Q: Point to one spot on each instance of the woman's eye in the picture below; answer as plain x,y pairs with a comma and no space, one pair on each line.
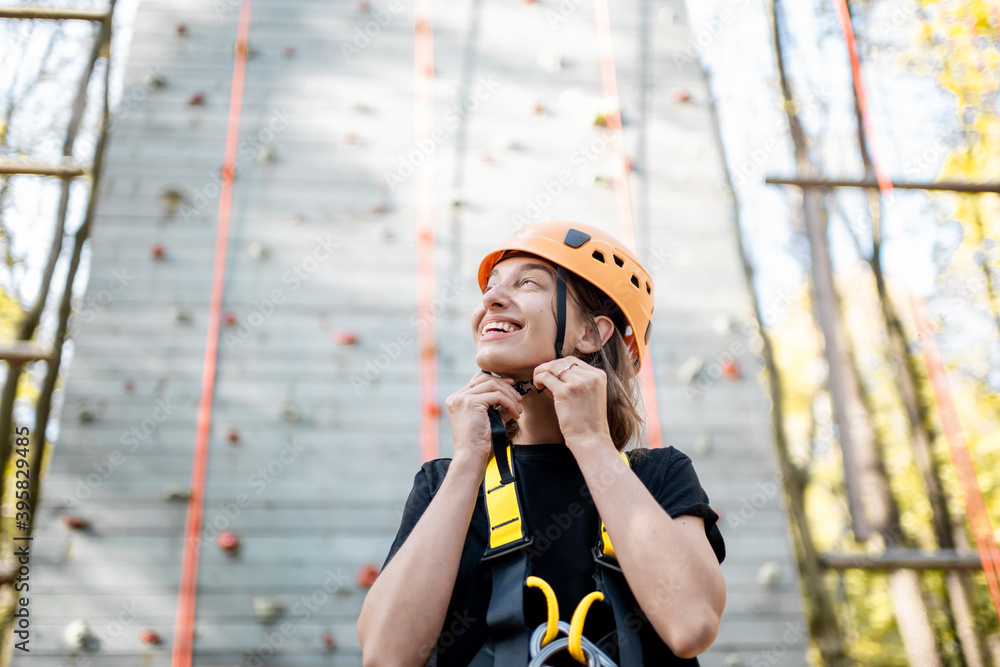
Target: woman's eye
528,280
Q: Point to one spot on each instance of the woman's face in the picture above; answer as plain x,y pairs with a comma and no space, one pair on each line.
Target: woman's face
515,326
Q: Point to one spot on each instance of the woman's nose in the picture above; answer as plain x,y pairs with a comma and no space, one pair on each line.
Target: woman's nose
498,295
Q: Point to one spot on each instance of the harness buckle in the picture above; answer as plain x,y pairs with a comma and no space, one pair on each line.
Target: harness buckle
511,547
603,561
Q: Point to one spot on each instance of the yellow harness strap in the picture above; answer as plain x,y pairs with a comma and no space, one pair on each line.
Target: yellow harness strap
504,510
606,547
502,507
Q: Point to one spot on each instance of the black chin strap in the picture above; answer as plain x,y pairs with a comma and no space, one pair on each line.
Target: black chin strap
560,310
498,430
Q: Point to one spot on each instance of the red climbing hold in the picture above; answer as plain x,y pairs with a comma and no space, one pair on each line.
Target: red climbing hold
196,100
538,109
288,51
345,337
159,251
730,369
233,436
329,641
129,386
149,637
229,319
367,575
363,6
182,30
228,541
75,522
681,95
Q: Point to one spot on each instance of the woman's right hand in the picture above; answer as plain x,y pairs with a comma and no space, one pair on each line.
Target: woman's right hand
470,424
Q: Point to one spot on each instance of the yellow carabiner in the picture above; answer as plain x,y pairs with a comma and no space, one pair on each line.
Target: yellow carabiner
552,625
576,626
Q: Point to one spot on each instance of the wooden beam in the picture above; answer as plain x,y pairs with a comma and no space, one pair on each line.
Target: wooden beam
871,184
52,14
905,559
32,168
23,351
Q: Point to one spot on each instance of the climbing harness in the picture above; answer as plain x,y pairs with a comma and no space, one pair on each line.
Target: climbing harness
506,557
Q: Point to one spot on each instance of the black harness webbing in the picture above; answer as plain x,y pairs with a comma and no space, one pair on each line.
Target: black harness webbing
509,635
560,310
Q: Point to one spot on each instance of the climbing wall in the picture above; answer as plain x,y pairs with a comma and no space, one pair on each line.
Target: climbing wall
314,428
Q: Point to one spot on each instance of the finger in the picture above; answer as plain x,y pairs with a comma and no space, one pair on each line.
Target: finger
512,407
502,384
485,376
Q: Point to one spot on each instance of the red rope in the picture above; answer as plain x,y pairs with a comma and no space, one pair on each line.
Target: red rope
187,595
623,198
975,505
424,211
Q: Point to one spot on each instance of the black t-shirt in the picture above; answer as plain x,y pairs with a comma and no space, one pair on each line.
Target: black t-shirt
562,518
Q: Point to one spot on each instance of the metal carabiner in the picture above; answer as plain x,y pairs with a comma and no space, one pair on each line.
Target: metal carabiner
557,645
590,648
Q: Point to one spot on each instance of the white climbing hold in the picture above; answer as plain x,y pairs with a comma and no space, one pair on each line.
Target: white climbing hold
703,445
267,610
691,369
291,413
550,61
181,315
257,251
723,324
77,633
732,660
266,154
769,574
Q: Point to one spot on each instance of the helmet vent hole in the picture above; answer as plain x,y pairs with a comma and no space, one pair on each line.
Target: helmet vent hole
619,261
649,290
635,281
599,256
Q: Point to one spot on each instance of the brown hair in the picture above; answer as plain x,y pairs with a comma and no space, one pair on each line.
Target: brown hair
624,420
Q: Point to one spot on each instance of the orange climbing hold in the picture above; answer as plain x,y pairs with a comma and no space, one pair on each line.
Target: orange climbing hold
182,30
229,318
149,637
228,541
75,522
681,95
367,575
159,252
345,337
233,436
329,641
730,369
196,100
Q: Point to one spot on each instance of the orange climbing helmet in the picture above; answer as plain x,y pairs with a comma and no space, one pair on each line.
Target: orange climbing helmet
595,256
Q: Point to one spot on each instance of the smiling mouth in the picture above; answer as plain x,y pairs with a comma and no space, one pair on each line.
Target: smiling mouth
498,330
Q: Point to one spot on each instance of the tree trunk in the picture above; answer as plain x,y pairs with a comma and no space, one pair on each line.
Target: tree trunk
958,584
870,499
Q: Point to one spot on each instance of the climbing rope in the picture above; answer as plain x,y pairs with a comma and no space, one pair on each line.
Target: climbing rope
975,505
188,593
626,223
424,213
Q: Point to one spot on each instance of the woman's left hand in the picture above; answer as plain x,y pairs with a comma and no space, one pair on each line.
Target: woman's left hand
580,393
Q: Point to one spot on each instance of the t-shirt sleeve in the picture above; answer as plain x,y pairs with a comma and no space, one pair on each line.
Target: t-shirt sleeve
425,485
670,476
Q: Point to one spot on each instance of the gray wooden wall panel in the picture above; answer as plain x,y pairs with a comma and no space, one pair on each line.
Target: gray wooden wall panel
341,126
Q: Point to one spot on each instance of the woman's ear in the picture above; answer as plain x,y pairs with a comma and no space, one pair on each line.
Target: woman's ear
592,341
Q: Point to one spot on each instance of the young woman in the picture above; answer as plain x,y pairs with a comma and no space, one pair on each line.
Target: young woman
507,536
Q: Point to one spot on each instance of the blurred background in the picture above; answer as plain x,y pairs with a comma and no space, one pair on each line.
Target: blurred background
239,241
